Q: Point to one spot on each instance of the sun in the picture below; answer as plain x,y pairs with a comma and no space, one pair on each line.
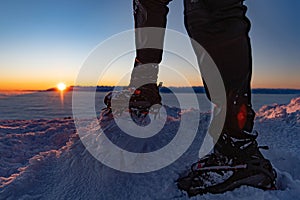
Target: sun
61,86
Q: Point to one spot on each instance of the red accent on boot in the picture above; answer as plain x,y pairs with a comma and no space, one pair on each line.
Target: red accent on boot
137,92
242,116
199,166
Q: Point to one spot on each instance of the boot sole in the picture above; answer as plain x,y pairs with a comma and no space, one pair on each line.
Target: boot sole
258,181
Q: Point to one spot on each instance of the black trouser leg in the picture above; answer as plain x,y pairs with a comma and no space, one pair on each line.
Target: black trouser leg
148,13
221,27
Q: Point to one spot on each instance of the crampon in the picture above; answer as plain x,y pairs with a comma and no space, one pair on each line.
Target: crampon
219,179
138,102
217,173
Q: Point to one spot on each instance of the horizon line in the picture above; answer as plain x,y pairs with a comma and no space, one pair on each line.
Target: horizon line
69,87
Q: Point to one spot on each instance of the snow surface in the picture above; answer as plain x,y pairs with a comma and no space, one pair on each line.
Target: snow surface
45,159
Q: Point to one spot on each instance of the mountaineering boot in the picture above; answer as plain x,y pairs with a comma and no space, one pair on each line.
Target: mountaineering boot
234,162
138,101
145,99
141,96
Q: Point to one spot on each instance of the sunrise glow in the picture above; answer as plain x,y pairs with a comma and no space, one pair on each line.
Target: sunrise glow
61,86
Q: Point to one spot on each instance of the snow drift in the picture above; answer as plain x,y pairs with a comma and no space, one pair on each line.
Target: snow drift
45,159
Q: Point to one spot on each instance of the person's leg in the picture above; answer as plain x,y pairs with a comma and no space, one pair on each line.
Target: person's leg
148,14
150,19
221,27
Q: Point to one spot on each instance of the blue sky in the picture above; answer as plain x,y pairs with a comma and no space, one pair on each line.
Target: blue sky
43,42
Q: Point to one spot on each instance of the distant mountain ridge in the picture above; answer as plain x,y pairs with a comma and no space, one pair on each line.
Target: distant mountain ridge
196,89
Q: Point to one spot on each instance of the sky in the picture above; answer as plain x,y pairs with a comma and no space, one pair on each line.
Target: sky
44,42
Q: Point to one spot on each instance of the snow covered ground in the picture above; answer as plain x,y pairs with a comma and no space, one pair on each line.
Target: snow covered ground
45,159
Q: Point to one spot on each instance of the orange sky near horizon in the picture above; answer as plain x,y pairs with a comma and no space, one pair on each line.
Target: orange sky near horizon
38,80
43,84
31,84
